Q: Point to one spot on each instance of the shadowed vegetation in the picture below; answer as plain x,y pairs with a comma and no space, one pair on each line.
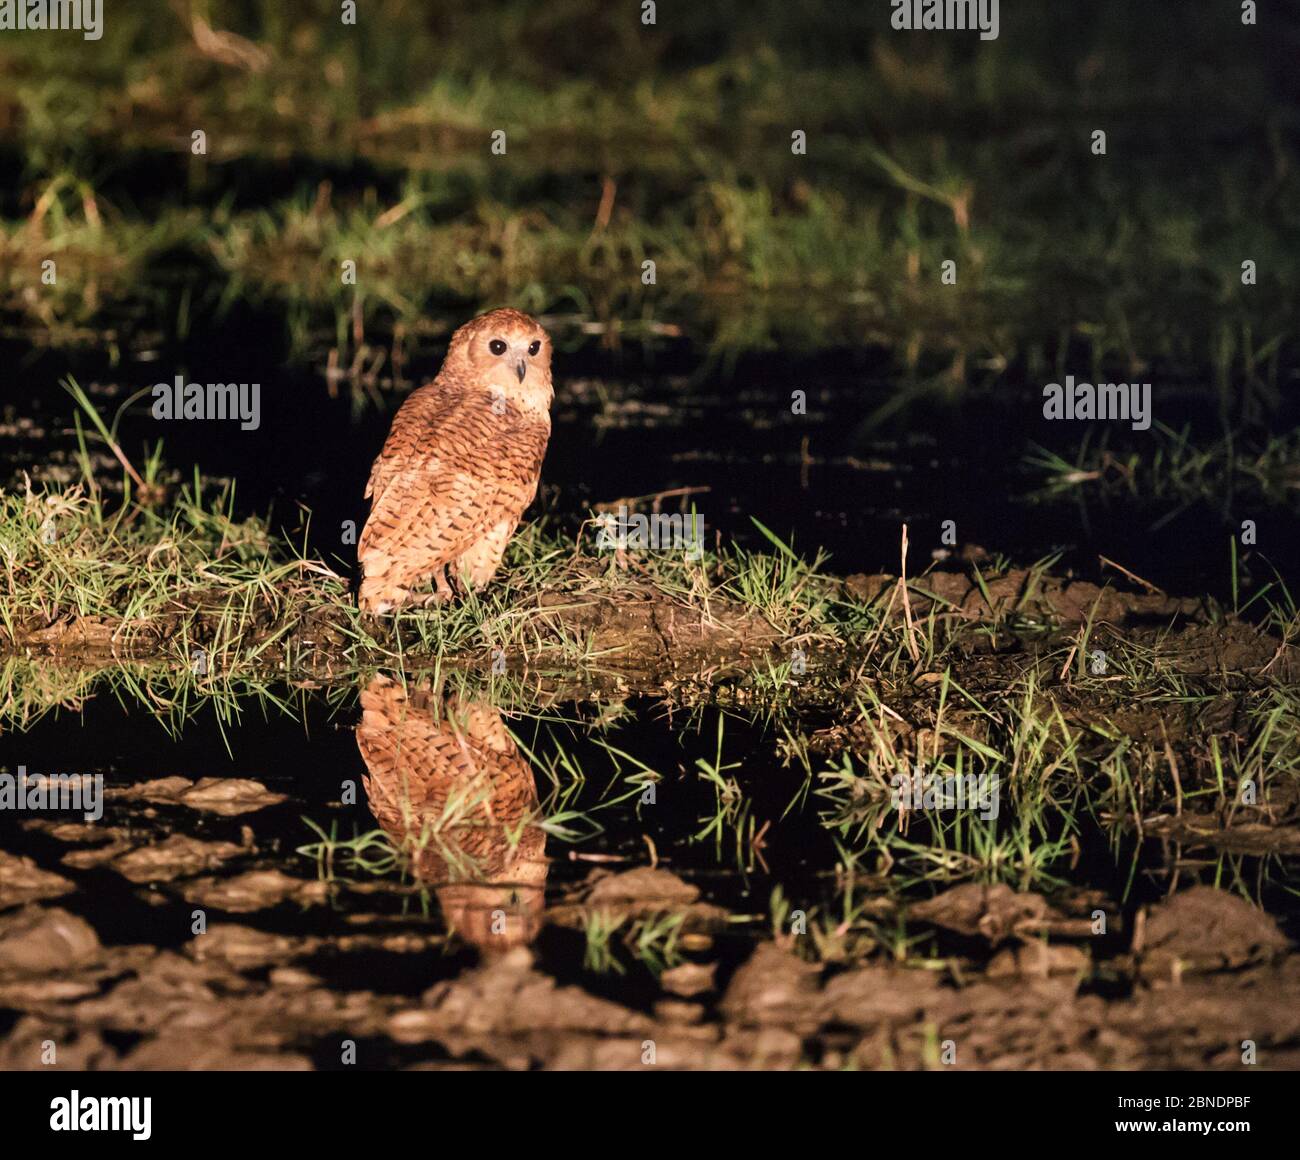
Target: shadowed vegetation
670,143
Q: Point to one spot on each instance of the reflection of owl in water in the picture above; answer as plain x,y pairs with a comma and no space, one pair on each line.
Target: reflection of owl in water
449,786
461,463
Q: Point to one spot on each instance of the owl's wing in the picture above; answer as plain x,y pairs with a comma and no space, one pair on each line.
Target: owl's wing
451,469
414,431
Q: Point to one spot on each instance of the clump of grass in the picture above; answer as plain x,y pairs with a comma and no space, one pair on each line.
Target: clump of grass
1074,750
75,262
153,573
653,940
1174,466
183,576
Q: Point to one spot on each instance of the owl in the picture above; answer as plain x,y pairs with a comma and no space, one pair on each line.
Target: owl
448,786
461,463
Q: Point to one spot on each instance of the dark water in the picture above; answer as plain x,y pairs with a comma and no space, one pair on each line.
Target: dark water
843,477
311,756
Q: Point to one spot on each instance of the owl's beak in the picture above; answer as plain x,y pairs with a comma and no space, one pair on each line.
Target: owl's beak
521,369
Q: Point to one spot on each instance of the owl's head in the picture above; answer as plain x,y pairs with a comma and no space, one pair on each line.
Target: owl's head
507,351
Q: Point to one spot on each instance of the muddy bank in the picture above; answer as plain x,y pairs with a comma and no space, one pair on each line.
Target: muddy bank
630,634
1017,997
635,634
250,964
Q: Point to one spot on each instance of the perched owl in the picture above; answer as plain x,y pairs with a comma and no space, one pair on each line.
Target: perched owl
448,785
460,465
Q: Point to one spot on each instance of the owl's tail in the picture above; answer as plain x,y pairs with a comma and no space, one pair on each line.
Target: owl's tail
371,599
385,588
378,593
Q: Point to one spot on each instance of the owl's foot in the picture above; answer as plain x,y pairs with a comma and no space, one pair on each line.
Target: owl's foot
394,597
442,593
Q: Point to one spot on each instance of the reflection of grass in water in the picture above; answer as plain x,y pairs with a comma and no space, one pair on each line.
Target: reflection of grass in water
1174,466
29,690
654,940
371,853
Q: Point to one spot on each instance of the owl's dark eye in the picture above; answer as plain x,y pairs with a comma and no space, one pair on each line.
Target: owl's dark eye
496,346
534,346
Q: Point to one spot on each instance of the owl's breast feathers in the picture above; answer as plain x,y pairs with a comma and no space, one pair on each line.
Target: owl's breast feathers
457,462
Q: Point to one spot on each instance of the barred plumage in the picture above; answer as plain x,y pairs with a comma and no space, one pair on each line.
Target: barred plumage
448,784
461,463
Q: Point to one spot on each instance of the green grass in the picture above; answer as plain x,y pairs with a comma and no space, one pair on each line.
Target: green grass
1177,470
671,144
162,573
